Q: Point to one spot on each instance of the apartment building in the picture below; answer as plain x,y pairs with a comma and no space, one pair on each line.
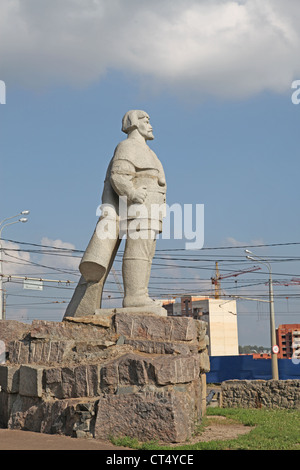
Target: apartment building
221,318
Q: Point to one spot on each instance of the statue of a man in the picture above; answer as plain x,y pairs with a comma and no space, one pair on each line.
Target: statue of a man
135,180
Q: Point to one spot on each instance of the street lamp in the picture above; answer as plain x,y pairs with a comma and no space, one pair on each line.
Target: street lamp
274,358
14,216
2,225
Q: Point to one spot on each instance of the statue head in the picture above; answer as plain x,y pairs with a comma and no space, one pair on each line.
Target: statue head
140,120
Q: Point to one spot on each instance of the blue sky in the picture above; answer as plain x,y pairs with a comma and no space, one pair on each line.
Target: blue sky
225,130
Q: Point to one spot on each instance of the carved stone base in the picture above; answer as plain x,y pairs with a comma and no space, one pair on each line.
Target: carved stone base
148,310
110,374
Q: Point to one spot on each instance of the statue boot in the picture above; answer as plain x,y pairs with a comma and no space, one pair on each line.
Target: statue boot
136,275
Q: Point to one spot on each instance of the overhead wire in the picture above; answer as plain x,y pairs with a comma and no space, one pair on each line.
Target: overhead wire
169,249
164,288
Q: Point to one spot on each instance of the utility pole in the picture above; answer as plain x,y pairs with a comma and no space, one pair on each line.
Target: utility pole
274,357
22,219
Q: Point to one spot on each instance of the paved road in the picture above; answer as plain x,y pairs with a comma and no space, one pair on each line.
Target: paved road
25,440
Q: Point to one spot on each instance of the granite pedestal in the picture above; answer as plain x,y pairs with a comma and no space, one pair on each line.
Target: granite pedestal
109,374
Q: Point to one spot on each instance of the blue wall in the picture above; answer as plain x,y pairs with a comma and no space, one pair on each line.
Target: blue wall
246,368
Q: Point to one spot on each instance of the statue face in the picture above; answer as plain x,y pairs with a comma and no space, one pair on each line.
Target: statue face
145,128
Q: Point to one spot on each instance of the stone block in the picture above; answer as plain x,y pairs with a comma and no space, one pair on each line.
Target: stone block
18,352
154,310
74,329
86,380
52,382
13,330
109,377
31,381
9,378
93,378
156,328
165,416
6,402
174,370
203,343
26,413
201,329
204,362
51,416
72,382
57,417
100,318
136,369
161,347
39,352
58,350
132,370
70,417
68,382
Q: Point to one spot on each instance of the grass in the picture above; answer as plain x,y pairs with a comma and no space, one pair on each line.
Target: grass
273,429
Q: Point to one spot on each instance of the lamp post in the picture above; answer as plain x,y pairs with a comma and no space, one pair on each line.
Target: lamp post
274,358
2,225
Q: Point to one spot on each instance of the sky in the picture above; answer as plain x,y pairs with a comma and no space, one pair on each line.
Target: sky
216,78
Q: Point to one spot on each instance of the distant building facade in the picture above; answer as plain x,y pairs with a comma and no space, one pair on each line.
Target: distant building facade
288,340
220,315
261,355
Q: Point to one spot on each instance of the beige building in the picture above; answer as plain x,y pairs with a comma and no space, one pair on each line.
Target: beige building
221,316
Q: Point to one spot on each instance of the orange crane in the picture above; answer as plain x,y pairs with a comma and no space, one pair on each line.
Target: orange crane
293,282
216,280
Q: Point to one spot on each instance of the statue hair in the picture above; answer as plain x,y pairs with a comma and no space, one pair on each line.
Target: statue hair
130,120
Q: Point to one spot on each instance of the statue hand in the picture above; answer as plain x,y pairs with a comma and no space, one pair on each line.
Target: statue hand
139,195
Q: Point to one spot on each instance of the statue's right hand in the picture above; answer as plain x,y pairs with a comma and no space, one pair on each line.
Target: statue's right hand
139,195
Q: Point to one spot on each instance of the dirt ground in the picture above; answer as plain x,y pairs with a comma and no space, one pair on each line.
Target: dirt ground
11,439
219,428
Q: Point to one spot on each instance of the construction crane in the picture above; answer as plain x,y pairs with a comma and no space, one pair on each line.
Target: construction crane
293,282
216,280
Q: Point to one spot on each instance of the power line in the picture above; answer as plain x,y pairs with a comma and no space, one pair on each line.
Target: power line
169,249
162,286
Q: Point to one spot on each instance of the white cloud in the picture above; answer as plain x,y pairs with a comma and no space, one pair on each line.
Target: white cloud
64,259
224,48
61,264
15,262
233,242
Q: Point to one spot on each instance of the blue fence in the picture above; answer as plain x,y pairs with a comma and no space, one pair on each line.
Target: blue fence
246,368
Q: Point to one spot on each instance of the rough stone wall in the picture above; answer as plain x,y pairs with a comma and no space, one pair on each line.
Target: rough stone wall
260,394
136,375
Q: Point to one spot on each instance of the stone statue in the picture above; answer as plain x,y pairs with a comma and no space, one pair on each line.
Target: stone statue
133,204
